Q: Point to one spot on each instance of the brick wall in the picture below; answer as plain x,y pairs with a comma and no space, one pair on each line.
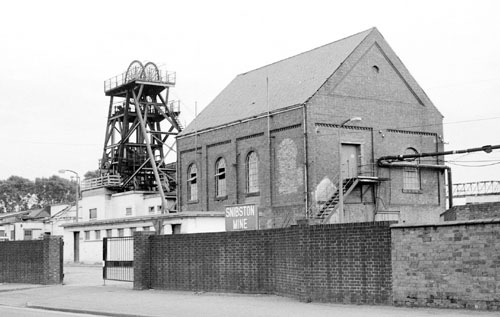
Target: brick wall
280,171
347,263
473,212
33,261
453,265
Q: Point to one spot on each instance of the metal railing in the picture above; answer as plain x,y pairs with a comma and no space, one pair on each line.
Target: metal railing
475,189
118,258
164,77
102,181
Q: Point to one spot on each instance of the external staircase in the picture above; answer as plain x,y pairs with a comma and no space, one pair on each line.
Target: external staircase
326,211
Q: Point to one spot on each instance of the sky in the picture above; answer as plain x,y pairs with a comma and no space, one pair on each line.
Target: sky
56,55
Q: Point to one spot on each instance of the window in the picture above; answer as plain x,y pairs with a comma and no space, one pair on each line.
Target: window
151,209
28,234
128,211
120,232
252,173
109,233
220,178
146,228
411,177
158,208
98,234
176,228
93,213
132,230
87,235
192,184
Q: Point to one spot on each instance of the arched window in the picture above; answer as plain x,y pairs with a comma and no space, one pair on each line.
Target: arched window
192,184
252,171
411,177
220,178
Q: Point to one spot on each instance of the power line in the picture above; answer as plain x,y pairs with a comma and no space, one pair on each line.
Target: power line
482,165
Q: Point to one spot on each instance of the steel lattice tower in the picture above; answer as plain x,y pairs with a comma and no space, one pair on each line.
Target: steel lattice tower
141,129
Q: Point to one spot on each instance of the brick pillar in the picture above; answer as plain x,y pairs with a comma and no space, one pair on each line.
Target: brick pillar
52,260
142,260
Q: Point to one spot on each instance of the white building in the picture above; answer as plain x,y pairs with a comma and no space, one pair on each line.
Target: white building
106,213
35,223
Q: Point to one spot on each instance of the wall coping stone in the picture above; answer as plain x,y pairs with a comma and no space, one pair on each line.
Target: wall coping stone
447,223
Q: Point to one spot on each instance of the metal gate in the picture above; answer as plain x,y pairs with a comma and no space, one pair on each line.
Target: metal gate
118,259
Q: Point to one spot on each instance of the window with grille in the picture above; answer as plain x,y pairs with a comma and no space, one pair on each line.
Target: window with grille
411,177
252,173
192,185
220,178
28,234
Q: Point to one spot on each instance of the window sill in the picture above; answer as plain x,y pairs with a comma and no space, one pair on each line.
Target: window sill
192,202
220,198
412,191
253,194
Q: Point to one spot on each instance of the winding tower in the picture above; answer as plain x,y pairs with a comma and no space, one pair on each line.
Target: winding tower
141,129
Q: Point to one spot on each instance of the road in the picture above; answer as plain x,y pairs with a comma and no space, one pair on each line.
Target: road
29,312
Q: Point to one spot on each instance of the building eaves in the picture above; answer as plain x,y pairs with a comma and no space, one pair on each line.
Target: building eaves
116,221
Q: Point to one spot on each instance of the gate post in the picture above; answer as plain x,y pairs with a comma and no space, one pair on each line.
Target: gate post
142,259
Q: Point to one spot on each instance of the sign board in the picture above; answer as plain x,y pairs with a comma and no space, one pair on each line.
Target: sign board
242,217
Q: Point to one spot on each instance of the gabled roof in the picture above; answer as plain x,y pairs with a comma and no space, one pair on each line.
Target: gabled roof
283,84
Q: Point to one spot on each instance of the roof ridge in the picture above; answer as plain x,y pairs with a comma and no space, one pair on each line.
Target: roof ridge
308,51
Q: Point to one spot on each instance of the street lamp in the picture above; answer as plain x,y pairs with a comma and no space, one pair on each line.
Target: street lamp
77,196
341,179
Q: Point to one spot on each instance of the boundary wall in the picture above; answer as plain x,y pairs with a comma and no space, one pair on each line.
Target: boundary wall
451,264
32,261
472,212
343,263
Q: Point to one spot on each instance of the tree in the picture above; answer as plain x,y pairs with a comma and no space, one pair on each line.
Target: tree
91,174
13,193
54,189
17,193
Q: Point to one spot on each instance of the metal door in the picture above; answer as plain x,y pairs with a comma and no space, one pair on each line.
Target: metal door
118,258
350,160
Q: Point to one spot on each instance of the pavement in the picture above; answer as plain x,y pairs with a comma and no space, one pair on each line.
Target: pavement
83,292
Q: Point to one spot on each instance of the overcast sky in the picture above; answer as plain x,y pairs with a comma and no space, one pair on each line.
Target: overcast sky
55,56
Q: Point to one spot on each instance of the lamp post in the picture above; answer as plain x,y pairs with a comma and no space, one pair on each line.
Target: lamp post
341,179
76,188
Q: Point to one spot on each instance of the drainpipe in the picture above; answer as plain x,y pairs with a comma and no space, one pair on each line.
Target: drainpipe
306,169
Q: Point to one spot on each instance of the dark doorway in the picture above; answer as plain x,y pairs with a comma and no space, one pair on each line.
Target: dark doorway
76,246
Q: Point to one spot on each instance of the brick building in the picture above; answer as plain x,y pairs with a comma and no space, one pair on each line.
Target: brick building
273,137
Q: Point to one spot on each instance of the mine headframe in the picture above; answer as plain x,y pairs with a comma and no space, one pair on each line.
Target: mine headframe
141,129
